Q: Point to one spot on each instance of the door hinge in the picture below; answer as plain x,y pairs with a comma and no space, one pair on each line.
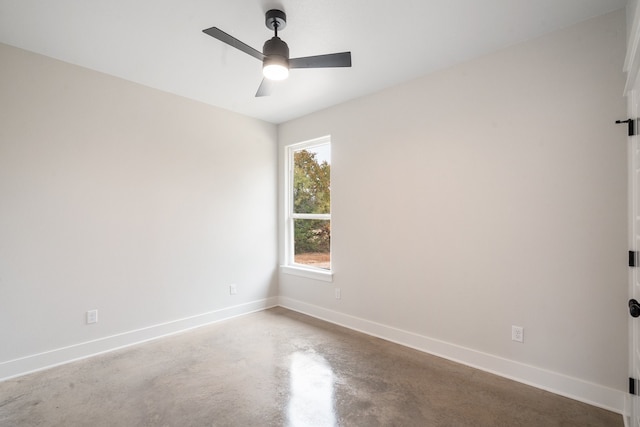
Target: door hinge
631,124
633,258
632,385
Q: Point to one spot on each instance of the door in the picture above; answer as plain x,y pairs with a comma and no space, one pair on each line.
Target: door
633,99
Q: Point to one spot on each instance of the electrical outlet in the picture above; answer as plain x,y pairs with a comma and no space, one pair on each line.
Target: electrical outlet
233,290
92,316
338,294
517,333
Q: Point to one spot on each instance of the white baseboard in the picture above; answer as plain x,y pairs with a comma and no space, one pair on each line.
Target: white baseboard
37,362
574,388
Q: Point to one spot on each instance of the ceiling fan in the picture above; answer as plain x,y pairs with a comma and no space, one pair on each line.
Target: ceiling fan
275,53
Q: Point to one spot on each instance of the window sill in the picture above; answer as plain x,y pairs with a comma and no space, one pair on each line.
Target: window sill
309,273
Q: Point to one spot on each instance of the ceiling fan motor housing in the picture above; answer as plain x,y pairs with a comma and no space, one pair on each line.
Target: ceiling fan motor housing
276,51
275,46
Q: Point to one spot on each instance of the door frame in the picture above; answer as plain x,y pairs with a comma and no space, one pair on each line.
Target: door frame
632,92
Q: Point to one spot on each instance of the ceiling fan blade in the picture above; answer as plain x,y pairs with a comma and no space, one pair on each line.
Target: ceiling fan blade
342,59
266,87
217,33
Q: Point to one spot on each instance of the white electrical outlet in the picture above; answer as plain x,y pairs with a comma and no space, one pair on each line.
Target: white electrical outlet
233,290
92,316
338,295
517,333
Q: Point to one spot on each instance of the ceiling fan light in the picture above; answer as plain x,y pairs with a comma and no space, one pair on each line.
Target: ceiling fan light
275,68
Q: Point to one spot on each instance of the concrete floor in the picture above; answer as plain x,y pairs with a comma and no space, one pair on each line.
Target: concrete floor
277,368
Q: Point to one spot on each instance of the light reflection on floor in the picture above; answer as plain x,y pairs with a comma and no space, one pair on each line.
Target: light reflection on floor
311,401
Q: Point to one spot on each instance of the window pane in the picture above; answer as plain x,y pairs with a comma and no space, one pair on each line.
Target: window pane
312,180
312,242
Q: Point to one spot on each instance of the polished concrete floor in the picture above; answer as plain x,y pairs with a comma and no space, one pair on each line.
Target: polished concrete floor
280,368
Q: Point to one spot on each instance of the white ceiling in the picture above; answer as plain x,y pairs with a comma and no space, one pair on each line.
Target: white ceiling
160,43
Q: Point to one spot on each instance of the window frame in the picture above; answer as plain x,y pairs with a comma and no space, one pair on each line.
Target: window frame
290,266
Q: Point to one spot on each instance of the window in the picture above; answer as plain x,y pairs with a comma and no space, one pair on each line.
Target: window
308,208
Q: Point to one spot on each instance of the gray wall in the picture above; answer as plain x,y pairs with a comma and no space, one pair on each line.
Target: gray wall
487,195
125,199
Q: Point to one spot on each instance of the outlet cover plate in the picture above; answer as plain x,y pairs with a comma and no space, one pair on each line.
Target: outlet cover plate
92,316
517,333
